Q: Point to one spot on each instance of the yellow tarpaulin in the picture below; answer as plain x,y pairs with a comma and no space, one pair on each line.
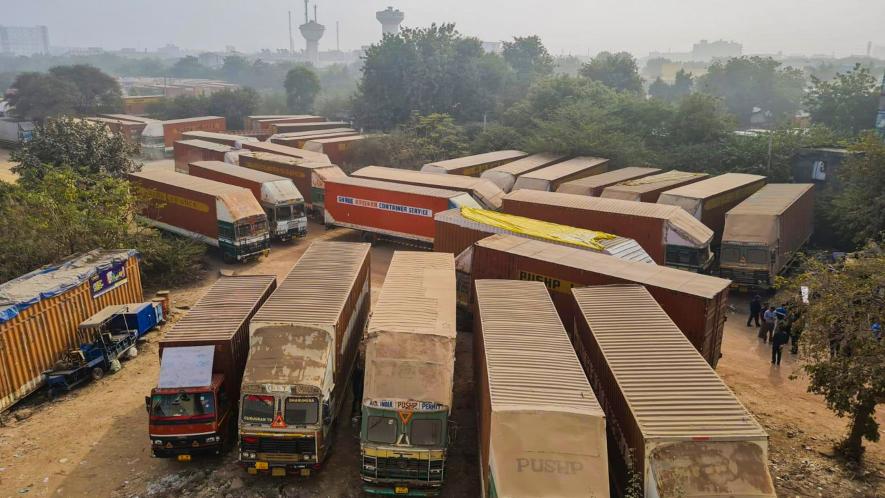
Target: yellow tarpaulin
538,229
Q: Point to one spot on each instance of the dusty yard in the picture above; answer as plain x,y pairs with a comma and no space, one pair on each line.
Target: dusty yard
6,175
93,442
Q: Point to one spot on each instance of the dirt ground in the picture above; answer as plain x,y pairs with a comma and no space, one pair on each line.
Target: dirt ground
93,442
6,175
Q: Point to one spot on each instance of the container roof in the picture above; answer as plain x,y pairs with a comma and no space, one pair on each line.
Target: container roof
285,160
657,182
213,134
222,310
191,120
285,150
606,179
205,144
332,140
487,191
669,387
239,201
772,199
477,159
716,185
528,163
565,168
240,171
396,187
530,360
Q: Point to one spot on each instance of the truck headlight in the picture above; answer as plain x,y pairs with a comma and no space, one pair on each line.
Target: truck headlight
158,442
213,439
248,455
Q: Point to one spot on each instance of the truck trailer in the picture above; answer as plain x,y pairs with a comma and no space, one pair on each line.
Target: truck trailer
541,430
594,185
192,150
172,129
708,200
551,177
221,215
505,176
264,122
310,178
483,191
672,422
668,234
289,127
649,188
764,233
298,139
335,147
302,350
281,200
386,209
405,430
193,409
284,150
473,165
697,303
219,138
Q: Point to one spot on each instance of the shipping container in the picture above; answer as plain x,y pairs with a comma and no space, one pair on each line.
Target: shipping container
671,419
386,209
310,178
131,130
216,328
288,127
298,139
483,191
473,165
594,185
281,200
221,215
334,147
283,150
649,188
405,427
219,138
138,104
697,303
173,128
41,310
505,176
302,351
193,150
264,122
541,430
551,177
708,200
764,233
668,234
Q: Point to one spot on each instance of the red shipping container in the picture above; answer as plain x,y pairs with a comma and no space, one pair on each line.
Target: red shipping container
284,150
336,147
191,151
173,129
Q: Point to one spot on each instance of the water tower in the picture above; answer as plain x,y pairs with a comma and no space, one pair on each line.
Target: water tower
312,31
390,20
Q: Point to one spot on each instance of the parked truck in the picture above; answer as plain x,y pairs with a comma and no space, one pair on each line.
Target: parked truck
473,165
505,176
482,190
281,200
671,419
219,138
405,430
289,127
335,147
301,155
649,188
538,437
221,215
302,349
594,185
193,408
299,138
264,122
192,150
549,178
764,233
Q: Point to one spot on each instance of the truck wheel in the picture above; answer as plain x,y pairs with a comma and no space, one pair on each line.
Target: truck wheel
97,373
131,353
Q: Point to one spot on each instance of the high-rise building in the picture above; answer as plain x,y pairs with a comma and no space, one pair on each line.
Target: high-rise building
24,40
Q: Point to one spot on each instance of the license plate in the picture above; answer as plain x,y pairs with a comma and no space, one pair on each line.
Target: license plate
261,465
305,472
277,471
401,490
184,458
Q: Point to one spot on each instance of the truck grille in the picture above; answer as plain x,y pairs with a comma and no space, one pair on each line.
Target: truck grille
404,468
746,277
296,445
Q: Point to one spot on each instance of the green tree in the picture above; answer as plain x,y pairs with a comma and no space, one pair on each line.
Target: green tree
617,71
422,140
847,103
38,96
859,208
84,147
529,58
302,86
234,105
698,119
189,67
682,85
96,91
659,89
182,106
235,68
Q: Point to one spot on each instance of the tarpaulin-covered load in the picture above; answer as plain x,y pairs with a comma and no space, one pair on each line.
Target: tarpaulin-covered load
685,432
40,312
484,191
594,185
649,188
410,340
541,431
473,165
505,176
551,177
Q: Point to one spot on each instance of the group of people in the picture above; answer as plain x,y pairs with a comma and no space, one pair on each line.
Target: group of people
777,326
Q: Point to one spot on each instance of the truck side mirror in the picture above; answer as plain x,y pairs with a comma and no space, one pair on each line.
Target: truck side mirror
327,415
147,404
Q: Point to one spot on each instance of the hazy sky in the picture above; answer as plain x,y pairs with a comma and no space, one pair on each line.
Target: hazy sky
842,27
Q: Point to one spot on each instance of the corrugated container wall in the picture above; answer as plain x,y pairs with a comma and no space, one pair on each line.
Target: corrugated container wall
551,177
173,129
190,151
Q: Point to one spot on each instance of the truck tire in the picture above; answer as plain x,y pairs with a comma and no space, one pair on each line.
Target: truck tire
97,373
131,353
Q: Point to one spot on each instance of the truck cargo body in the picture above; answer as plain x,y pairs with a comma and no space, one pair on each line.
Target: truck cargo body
409,375
286,127
219,138
173,128
334,147
505,176
483,191
649,188
669,415
41,310
281,200
697,303
594,185
708,200
224,216
668,234
302,350
541,430
551,177
193,150
389,209
131,130
186,414
473,165
298,139
763,233
265,122
309,178
284,150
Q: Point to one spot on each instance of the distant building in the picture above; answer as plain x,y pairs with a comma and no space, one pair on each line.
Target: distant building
720,49
24,40
819,165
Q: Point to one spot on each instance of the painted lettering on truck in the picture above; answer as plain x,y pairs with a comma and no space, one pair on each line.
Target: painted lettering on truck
174,199
554,284
548,466
385,206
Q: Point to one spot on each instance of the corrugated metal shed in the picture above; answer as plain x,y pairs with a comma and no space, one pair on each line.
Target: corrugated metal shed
596,182
483,190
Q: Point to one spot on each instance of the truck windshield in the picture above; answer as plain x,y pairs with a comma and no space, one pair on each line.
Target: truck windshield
730,254
381,429
757,256
426,432
251,229
301,411
258,409
284,213
183,405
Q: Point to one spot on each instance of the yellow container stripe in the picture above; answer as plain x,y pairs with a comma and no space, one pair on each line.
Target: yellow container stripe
538,229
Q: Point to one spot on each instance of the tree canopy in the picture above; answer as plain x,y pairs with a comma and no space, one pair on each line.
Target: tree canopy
65,90
302,86
847,103
422,140
529,58
617,71
233,104
859,208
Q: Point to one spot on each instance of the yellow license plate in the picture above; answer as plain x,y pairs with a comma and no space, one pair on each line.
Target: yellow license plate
401,490
278,472
305,472
261,465
184,458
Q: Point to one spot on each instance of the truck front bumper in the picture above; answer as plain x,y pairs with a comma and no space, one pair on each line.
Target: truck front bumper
185,447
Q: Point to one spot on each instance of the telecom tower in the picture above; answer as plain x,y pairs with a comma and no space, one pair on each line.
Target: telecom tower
390,20
312,31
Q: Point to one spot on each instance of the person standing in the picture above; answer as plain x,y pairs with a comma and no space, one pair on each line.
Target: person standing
778,340
755,309
767,329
